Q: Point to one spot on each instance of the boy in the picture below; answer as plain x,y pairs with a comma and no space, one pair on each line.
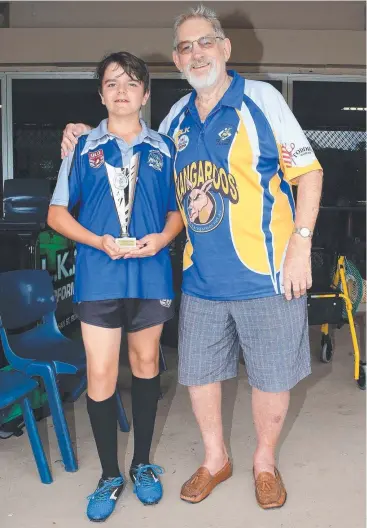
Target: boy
117,287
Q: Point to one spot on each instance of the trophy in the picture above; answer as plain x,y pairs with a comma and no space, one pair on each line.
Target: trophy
122,182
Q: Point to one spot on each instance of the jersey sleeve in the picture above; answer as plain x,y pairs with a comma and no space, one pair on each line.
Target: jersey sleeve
67,190
172,202
172,119
164,126
296,156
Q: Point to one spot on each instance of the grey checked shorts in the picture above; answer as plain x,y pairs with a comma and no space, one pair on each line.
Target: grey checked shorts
272,332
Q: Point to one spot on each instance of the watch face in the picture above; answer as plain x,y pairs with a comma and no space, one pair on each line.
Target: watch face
304,231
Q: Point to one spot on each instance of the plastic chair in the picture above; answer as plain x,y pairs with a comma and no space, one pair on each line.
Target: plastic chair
14,388
34,345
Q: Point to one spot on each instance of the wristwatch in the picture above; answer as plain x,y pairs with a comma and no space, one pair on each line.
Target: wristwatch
303,231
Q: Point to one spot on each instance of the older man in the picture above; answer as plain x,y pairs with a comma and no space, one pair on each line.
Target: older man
247,258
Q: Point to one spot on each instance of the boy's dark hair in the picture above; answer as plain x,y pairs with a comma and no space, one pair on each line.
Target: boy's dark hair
133,66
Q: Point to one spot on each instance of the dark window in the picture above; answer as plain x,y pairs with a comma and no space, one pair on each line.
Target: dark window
1,151
164,94
41,109
277,84
333,116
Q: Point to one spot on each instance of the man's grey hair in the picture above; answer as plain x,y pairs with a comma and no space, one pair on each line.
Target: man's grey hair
198,12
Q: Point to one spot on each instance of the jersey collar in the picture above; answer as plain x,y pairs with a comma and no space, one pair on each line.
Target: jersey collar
100,135
233,97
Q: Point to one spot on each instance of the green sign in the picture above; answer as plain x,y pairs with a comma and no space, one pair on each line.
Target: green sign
56,254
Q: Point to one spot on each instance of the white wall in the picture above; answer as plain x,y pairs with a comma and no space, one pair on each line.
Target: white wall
71,46
245,15
318,35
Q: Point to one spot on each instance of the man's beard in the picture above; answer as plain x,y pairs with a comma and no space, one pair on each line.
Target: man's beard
202,81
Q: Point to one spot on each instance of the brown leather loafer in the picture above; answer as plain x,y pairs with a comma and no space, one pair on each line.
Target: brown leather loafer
202,483
270,491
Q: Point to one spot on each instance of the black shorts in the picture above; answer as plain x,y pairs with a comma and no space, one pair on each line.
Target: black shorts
130,314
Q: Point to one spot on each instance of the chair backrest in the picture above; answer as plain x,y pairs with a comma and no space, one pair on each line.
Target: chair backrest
26,200
26,296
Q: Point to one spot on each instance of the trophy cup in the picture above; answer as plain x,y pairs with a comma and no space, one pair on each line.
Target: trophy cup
123,183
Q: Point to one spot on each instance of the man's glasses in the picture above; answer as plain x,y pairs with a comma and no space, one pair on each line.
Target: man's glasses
185,47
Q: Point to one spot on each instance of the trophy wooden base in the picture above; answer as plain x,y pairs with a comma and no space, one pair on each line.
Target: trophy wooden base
126,242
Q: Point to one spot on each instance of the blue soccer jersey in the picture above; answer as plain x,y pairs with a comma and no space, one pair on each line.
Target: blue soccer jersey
233,176
83,182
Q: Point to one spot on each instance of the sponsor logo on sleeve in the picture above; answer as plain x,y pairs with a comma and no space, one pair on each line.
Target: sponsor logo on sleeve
292,154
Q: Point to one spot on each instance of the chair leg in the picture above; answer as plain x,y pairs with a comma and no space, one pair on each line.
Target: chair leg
35,441
121,414
78,391
58,417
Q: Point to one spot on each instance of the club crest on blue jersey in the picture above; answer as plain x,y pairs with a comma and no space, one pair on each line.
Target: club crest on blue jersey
204,209
182,139
182,142
96,158
224,135
155,160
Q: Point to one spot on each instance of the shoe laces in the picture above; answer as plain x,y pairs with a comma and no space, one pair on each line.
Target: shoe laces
144,475
103,492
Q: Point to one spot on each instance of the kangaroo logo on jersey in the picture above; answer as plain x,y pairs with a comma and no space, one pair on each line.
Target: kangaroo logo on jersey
198,173
202,190
204,210
96,158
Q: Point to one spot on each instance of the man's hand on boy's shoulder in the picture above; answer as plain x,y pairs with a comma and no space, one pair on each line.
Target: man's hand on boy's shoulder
70,137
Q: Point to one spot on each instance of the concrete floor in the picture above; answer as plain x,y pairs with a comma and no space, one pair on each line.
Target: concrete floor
321,457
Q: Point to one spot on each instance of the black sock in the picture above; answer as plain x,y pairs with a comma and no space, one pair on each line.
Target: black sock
144,399
103,418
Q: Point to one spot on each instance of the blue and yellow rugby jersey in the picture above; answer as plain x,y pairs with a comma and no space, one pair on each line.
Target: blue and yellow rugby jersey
233,177
83,180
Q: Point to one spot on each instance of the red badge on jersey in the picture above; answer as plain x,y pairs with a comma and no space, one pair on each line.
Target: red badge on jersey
96,158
